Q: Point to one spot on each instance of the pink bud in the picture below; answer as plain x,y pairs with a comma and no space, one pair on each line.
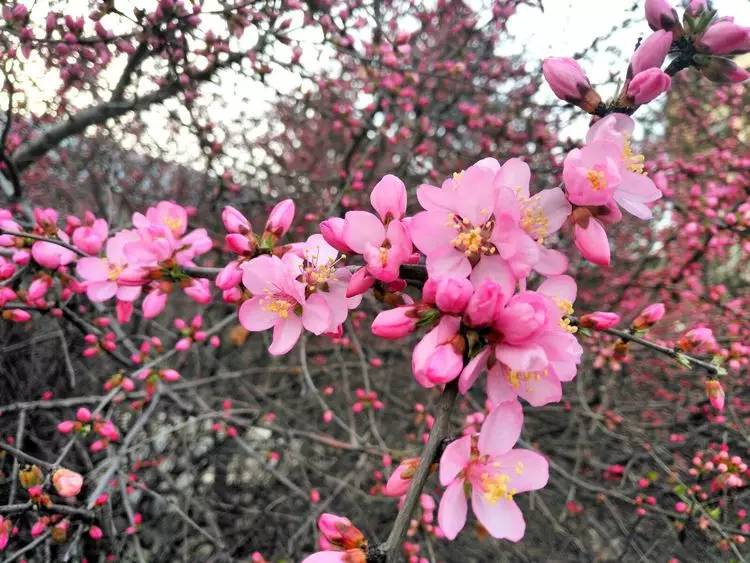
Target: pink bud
570,83
395,323
170,375
67,483
452,294
725,37
360,282
695,7
651,53
154,303
281,217
680,507
19,315
83,414
199,291
333,232
38,528
400,481
239,244
599,320
214,341
183,344
715,393
648,85
649,316
95,533
485,304
660,14
721,69
38,288
234,221
444,365
66,426
327,416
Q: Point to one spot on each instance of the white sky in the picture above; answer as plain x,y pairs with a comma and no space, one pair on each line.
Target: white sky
564,28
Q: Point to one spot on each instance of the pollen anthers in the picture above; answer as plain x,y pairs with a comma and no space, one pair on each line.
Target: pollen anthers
314,274
534,221
634,162
597,179
515,378
278,304
470,239
496,487
114,271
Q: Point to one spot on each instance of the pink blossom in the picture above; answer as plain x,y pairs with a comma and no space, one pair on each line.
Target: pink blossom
278,302
51,255
451,295
67,483
154,303
495,471
388,198
591,241
234,221
91,238
112,276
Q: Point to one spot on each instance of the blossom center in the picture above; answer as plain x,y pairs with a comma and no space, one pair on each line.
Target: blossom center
280,305
114,272
534,221
597,179
470,239
496,487
516,377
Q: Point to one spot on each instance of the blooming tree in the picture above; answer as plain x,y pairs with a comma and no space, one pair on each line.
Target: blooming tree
474,271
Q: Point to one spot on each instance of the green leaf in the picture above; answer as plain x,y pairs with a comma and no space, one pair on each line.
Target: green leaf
683,359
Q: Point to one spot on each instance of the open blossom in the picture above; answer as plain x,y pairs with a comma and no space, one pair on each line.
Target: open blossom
493,471
536,350
305,288
601,176
107,277
484,213
382,240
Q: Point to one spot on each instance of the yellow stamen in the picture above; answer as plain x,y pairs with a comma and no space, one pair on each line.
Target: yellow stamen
597,179
634,162
281,307
496,487
534,221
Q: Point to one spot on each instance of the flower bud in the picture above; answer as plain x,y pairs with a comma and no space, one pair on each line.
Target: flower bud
661,15
395,323
599,320
280,218
400,481
83,414
649,316
570,83
67,483
648,85
451,295
340,532
720,69
715,394
234,221
360,282
725,38
651,52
